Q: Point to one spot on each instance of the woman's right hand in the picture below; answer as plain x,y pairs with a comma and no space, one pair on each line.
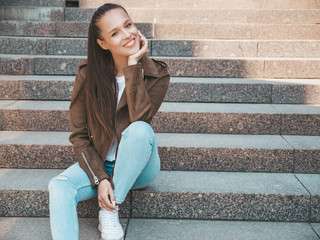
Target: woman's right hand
105,195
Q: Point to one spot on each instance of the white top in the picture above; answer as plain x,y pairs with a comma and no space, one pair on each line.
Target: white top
112,152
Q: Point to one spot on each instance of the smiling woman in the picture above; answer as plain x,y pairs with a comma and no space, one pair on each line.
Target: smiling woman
117,91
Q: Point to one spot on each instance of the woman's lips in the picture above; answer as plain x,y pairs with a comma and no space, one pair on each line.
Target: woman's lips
130,43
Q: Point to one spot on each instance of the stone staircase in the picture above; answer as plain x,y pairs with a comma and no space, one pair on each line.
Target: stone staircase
238,133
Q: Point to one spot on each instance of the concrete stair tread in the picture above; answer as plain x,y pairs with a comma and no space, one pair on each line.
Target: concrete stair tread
179,107
179,140
38,228
185,181
25,228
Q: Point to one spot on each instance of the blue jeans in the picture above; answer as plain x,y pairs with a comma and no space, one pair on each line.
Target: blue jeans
137,165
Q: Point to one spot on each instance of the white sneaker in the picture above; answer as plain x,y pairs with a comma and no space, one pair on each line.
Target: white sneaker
109,225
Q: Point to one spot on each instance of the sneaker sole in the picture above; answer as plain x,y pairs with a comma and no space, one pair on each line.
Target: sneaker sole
99,227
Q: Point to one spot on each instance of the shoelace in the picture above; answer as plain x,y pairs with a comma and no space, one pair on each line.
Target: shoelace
109,218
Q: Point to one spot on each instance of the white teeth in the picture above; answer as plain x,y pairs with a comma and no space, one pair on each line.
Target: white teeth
130,43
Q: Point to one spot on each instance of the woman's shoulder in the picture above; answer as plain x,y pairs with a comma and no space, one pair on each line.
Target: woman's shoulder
82,68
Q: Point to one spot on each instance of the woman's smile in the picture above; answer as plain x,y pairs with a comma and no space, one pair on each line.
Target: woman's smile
131,43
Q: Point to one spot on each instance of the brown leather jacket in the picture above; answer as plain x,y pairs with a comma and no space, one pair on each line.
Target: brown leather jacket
146,84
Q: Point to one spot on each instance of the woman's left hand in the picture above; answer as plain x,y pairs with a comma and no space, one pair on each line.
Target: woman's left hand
143,42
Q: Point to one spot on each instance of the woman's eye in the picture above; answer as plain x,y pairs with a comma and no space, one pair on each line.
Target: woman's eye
129,24
114,34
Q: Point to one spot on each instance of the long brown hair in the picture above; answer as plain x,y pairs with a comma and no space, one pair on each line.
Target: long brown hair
102,88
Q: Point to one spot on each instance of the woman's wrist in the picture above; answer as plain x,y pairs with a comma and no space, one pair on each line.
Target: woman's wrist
132,62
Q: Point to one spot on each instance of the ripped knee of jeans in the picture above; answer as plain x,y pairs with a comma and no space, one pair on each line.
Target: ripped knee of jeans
60,177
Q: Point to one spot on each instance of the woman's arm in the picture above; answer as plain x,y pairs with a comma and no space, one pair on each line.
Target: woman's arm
87,156
143,103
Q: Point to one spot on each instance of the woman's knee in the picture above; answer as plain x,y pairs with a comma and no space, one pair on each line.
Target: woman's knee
59,186
139,130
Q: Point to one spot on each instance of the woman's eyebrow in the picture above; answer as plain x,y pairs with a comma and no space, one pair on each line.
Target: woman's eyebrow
118,27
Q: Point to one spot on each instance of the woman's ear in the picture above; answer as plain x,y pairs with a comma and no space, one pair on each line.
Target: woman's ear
102,44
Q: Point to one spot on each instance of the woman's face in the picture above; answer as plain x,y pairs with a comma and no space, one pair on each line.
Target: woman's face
119,34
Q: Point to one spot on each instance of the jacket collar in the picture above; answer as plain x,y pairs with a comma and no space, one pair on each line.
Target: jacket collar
149,67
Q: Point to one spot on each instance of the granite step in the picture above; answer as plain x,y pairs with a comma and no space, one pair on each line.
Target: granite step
217,118
178,66
209,4
26,228
56,28
237,31
35,3
183,195
167,47
178,151
181,89
171,31
38,228
207,15
31,13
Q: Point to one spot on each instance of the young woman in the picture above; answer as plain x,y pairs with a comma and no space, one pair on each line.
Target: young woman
116,93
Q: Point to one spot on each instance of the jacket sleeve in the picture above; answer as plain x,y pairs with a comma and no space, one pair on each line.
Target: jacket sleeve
87,156
144,103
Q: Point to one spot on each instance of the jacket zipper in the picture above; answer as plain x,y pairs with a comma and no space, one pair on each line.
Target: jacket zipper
96,180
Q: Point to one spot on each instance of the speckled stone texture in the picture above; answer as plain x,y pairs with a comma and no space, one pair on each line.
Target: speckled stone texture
69,46
24,192
218,92
298,48
223,153
57,65
46,90
312,183
36,87
28,28
286,31
32,13
32,46
287,68
244,123
294,94
36,228
9,89
56,28
79,14
36,3
237,31
213,48
181,89
16,65
221,159
36,156
184,122
176,229
172,158
307,161
35,120
27,203
306,124
168,195
218,4
187,67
